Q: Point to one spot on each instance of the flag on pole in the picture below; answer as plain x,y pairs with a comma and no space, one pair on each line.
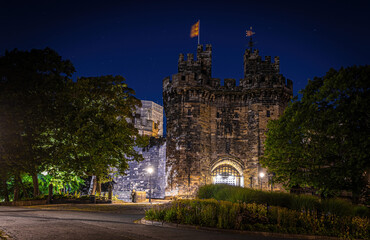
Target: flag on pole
194,30
249,32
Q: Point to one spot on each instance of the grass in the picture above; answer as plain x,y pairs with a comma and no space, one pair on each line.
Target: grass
338,207
258,217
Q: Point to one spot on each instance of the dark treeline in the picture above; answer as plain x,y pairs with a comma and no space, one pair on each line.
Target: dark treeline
51,124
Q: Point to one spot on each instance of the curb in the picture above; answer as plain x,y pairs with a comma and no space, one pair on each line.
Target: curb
265,234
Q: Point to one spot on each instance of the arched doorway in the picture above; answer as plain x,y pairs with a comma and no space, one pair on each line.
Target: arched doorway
226,174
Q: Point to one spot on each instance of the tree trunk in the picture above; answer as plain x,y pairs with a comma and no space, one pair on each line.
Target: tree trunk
35,180
98,187
24,190
16,187
6,192
110,192
50,195
94,186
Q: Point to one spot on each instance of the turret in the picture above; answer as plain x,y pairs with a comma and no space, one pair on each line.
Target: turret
259,73
202,64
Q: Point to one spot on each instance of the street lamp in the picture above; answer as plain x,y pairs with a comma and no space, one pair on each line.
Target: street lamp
150,170
261,175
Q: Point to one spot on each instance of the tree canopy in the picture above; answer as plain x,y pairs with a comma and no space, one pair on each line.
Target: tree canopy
30,82
51,123
96,134
322,140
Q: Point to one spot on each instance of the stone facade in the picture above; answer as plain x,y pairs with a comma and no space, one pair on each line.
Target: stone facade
138,178
215,132
149,121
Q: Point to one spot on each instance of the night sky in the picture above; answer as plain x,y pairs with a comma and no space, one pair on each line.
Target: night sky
141,40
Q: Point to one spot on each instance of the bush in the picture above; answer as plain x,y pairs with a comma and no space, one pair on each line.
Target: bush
257,217
303,203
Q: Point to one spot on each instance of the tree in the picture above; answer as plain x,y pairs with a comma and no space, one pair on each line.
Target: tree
29,84
96,136
322,140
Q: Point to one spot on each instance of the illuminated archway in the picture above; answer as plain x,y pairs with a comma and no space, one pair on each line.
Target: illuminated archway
226,174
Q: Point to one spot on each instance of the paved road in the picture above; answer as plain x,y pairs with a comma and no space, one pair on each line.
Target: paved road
29,223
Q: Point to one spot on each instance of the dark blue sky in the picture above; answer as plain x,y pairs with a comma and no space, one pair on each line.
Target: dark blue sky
141,40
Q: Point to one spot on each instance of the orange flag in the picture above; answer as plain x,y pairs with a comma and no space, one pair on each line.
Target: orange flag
249,33
194,30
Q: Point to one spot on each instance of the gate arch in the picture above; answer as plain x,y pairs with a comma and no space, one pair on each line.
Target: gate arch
227,170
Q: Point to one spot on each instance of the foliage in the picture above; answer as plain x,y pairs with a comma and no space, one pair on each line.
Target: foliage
322,140
30,81
73,185
96,136
69,129
305,203
257,217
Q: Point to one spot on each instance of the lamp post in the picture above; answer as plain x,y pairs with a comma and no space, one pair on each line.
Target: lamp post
150,171
261,175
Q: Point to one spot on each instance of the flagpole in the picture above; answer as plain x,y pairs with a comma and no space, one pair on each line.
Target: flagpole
198,31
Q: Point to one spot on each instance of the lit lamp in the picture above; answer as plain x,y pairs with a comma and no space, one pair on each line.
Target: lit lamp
150,170
261,175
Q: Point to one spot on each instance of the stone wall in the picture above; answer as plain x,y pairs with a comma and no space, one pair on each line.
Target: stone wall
149,121
138,178
209,124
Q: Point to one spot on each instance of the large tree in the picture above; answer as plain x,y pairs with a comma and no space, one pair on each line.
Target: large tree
322,139
97,135
29,83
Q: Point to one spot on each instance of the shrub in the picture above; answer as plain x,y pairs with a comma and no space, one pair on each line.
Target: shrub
303,203
257,217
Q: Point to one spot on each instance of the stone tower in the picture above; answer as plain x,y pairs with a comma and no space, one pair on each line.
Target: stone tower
215,133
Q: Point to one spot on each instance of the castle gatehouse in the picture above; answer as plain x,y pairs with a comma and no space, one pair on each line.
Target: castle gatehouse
215,132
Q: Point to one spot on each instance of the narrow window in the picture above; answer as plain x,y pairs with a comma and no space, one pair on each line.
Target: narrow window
268,113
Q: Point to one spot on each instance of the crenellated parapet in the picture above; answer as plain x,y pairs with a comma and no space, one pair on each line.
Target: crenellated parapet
202,65
258,73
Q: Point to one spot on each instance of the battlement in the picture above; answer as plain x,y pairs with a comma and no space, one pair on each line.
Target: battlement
251,82
202,64
254,64
258,72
